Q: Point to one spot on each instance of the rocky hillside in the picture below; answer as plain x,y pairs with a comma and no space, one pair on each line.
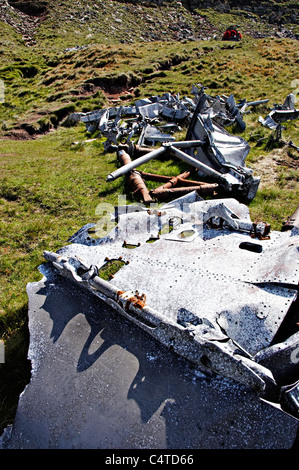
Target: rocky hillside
140,20
63,56
274,12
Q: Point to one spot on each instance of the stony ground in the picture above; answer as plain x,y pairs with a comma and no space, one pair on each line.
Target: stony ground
162,23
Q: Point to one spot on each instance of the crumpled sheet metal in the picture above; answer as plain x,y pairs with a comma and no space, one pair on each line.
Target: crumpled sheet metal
99,382
224,111
225,153
281,113
275,117
225,148
205,288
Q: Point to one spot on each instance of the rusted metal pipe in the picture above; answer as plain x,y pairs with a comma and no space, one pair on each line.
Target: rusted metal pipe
181,179
292,221
123,157
135,181
138,187
135,163
185,182
175,180
163,178
154,177
208,171
202,190
140,151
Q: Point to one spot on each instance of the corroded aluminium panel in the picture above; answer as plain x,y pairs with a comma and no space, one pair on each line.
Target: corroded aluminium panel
99,382
247,293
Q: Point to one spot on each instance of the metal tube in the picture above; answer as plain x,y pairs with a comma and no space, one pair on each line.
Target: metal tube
182,179
255,103
188,143
154,177
197,164
165,179
292,221
135,163
139,151
138,187
175,179
184,182
135,181
204,190
126,300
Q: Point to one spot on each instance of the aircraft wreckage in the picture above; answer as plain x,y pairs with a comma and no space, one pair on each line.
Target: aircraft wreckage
281,113
213,287
208,147
197,276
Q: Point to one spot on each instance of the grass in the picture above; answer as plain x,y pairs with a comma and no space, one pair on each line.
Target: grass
49,187
48,190
43,86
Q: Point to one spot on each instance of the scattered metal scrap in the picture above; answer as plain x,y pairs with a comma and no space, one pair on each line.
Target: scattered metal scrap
222,109
281,113
152,121
215,288
214,152
145,119
136,182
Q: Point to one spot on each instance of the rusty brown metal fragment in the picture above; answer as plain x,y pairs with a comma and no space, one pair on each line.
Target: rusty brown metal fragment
173,185
139,151
202,190
292,221
154,177
134,179
171,180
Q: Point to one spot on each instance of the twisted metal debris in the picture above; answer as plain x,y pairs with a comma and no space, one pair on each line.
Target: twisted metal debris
208,146
215,287
281,113
197,275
